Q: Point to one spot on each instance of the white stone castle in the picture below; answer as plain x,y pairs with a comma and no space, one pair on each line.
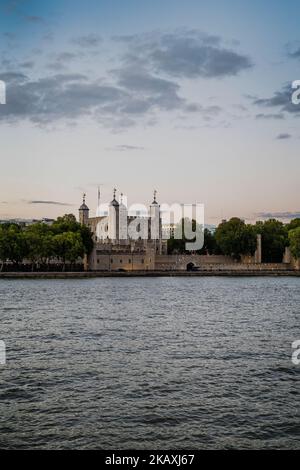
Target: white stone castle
123,241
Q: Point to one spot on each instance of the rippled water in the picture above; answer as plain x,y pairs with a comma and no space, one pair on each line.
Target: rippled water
159,363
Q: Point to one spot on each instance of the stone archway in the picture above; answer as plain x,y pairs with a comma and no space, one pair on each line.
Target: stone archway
190,266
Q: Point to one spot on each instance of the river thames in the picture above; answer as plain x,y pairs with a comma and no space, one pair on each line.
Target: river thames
150,363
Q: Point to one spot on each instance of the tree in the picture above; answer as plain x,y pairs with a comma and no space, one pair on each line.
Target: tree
235,238
68,246
293,224
87,239
65,239
3,247
294,238
210,244
68,223
12,244
274,240
177,244
39,245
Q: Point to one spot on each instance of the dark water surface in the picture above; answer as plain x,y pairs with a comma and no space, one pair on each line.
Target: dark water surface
159,363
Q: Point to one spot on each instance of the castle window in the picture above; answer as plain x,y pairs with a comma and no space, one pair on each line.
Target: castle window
129,261
143,261
121,261
111,261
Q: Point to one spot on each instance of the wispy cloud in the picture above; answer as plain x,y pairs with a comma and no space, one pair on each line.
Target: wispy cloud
185,53
278,116
125,148
281,99
34,19
279,215
53,203
90,40
283,136
293,50
29,64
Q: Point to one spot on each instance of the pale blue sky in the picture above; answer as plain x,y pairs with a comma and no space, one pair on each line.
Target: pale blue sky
191,98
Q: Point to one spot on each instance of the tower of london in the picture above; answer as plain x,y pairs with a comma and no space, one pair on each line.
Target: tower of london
123,241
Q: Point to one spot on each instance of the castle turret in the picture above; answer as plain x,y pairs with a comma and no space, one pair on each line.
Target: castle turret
113,218
155,222
83,212
123,220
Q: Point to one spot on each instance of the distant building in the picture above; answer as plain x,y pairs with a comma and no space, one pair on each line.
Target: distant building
27,222
168,230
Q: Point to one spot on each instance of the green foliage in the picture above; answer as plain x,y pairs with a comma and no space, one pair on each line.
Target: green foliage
38,238
12,243
210,245
293,224
68,246
294,239
68,223
274,240
39,243
235,238
177,244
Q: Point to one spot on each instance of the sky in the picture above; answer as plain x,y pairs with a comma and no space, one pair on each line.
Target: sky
190,98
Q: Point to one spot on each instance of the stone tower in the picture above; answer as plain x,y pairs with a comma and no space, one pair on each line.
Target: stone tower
83,212
113,218
123,220
155,222
258,252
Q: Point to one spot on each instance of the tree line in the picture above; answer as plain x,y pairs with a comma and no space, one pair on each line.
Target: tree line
40,245
235,238
66,241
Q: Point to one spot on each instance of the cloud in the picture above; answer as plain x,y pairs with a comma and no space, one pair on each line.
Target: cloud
27,64
137,91
16,7
185,54
278,116
279,215
132,97
61,60
13,77
284,136
281,99
62,96
125,148
34,19
149,91
293,50
10,36
54,203
10,6
90,40
295,54
66,56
